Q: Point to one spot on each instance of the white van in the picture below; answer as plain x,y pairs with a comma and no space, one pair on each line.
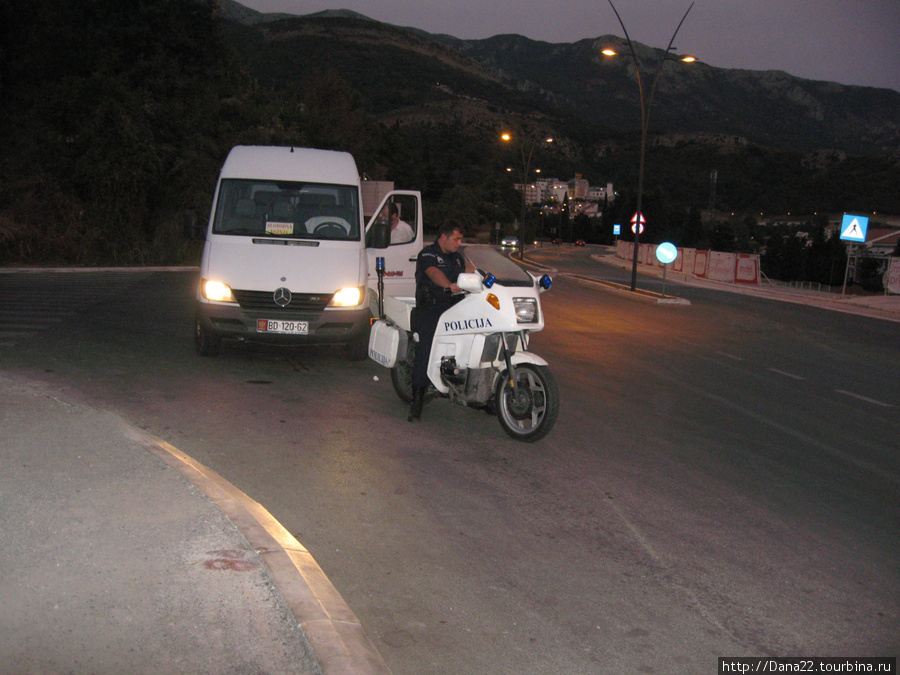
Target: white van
285,258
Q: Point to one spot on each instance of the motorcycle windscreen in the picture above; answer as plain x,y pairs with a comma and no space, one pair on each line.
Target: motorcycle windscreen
486,259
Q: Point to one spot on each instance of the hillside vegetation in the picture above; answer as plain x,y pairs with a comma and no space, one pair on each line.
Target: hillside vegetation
116,114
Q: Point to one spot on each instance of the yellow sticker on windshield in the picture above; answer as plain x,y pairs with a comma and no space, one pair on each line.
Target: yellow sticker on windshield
279,228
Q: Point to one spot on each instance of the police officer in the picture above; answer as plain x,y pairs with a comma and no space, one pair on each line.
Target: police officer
437,269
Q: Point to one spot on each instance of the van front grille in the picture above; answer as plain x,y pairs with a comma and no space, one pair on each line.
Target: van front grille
265,300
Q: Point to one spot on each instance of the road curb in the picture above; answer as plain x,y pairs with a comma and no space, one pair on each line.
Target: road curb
637,294
340,643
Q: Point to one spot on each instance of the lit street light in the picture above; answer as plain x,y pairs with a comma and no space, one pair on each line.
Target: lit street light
507,137
645,118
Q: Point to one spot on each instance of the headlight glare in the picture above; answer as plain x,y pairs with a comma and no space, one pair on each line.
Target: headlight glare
348,297
217,291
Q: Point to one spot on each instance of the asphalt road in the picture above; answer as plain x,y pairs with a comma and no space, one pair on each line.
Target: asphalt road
722,481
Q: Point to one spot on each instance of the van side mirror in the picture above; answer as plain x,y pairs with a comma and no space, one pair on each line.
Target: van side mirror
379,235
192,229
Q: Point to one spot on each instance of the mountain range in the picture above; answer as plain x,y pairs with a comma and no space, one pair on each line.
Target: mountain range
408,76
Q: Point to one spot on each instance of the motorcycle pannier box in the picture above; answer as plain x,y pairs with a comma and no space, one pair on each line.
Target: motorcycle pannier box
387,343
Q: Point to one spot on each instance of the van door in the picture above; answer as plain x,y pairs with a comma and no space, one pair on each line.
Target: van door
402,211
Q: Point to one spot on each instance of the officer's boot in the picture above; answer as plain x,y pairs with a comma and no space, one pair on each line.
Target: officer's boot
415,407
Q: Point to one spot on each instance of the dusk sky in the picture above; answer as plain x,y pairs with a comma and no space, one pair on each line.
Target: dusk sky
846,41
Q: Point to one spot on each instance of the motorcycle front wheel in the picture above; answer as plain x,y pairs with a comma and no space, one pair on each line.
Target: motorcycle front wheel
528,411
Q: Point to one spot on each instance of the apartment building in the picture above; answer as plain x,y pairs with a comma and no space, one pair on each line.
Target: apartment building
577,190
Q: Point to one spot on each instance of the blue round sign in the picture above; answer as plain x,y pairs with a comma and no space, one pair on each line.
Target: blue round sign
666,253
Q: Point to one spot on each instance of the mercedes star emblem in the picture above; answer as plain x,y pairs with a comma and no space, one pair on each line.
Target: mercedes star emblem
282,297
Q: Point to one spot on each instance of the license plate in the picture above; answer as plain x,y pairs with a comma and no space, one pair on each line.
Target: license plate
282,327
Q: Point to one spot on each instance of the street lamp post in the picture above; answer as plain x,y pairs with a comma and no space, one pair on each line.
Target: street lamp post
526,166
645,120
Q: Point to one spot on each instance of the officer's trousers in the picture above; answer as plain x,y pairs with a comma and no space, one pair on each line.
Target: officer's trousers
427,318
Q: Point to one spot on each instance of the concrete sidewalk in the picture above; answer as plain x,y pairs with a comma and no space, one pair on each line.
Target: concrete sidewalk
121,554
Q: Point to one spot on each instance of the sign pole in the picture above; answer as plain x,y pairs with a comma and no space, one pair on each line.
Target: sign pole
853,229
851,247
666,253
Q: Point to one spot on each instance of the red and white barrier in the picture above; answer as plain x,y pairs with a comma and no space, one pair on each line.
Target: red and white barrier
734,268
721,266
746,269
892,276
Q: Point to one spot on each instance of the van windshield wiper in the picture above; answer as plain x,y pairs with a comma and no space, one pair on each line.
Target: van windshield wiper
240,230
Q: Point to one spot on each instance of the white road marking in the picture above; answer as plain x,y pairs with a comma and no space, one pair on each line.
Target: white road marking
786,374
864,398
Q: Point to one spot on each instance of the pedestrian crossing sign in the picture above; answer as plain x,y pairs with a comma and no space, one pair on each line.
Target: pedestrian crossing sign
853,228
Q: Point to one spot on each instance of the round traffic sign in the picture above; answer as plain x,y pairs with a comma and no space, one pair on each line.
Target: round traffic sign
634,228
666,253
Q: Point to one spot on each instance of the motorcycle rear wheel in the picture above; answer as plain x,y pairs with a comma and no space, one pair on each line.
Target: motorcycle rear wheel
528,411
401,374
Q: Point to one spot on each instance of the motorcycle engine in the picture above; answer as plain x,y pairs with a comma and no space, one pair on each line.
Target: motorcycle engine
451,372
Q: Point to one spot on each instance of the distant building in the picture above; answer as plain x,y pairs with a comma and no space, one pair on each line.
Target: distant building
534,192
601,194
882,242
590,209
578,190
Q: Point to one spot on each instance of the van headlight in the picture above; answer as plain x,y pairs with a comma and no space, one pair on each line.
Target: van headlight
347,297
526,309
216,291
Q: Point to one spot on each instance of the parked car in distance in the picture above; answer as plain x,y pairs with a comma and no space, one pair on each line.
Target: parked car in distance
579,242
509,242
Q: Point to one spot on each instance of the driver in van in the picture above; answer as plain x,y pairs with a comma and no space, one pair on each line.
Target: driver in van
437,268
401,231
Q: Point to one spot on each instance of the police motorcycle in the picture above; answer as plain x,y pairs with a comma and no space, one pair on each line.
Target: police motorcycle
479,356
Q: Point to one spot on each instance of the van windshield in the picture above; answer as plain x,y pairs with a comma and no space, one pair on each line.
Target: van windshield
262,208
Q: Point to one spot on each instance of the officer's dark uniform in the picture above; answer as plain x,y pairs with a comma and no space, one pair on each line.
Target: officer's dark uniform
431,301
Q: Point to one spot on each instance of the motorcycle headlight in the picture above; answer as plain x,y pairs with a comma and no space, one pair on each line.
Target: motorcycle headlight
216,291
347,297
526,309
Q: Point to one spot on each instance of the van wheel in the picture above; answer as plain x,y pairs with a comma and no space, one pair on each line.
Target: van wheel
206,342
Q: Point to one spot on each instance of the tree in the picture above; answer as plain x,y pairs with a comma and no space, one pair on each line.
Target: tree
581,226
870,273
721,236
564,229
693,228
120,125
460,203
826,258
